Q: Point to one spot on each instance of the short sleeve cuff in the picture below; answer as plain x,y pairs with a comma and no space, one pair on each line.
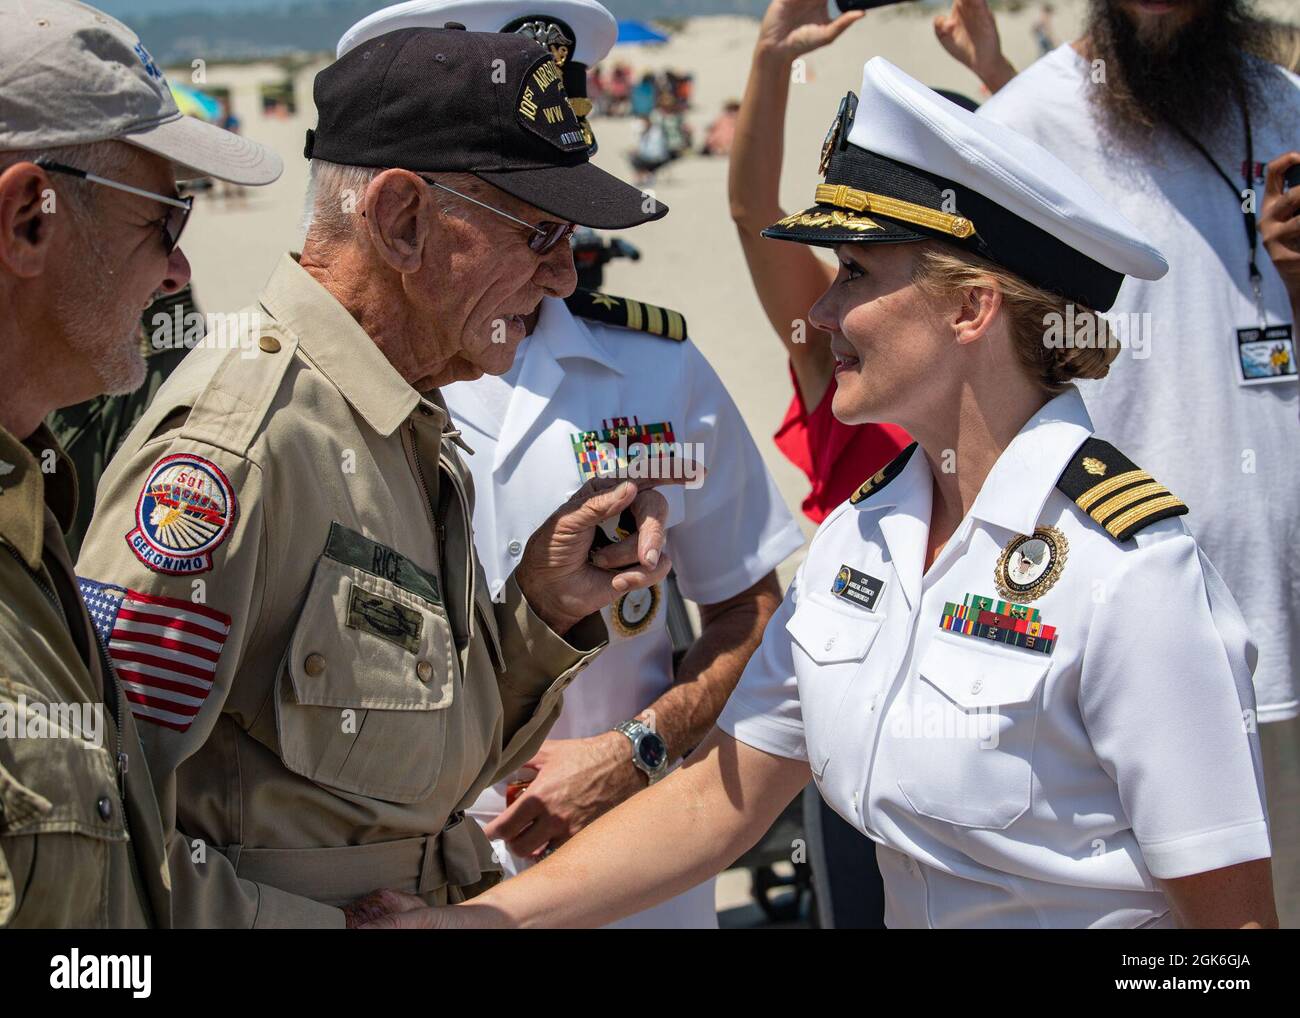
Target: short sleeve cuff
747,723
1209,850
751,568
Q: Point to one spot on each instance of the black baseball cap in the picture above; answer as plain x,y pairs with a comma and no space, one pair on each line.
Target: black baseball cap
437,100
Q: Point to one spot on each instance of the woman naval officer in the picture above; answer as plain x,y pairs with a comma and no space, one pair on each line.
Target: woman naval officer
1004,659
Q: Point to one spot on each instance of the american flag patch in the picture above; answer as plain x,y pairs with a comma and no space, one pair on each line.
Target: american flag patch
165,650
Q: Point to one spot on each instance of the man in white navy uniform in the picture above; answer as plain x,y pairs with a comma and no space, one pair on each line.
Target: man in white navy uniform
1004,659
590,370
1209,401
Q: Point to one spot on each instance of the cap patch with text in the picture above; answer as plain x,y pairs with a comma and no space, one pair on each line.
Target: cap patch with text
544,109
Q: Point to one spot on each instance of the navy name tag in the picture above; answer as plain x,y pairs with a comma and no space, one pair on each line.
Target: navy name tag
861,589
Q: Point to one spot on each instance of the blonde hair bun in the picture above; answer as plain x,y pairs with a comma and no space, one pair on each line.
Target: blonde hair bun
1030,311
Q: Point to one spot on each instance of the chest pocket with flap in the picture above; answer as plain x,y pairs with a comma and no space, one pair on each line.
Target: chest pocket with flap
967,738
831,642
363,698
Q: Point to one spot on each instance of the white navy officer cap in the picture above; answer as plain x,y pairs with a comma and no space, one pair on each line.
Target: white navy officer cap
579,33
904,164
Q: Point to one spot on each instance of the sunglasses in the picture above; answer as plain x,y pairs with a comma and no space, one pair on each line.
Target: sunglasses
171,224
545,235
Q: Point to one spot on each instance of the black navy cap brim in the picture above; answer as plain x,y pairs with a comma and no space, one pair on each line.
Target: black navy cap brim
827,226
583,194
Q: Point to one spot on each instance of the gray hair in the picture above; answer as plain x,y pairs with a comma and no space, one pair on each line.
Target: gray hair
335,192
108,159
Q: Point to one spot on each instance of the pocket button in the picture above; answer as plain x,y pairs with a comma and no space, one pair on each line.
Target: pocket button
424,671
976,686
105,808
314,665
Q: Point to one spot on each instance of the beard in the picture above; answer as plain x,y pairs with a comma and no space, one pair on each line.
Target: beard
103,330
1193,76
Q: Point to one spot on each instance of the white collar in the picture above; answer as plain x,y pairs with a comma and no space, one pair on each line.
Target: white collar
564,335
1015,490
1012,496
559,335
1018,486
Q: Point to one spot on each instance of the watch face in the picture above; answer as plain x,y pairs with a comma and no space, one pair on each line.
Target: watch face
652,750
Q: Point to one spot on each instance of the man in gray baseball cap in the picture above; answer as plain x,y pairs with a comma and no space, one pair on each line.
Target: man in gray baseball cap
91,147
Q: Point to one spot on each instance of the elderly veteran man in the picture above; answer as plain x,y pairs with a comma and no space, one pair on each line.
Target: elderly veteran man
91,144
544,427
281,558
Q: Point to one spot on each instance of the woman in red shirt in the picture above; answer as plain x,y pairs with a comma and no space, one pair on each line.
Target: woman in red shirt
835,457
790,277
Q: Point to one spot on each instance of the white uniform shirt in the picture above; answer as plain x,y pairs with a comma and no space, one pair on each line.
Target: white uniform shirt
1007,787
571,375
1173,401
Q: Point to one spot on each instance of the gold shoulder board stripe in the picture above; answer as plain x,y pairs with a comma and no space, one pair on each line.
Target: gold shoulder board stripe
1126,524
1126,501
627,313
1105,488
654,320
676,325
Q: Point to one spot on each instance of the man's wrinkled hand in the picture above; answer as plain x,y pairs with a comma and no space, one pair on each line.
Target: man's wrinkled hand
577,780
560,579
378,904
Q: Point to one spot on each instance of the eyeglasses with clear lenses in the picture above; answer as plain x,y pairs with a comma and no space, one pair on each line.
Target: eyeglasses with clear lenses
545,235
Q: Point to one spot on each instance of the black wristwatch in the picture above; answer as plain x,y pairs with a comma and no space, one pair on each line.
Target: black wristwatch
649,751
